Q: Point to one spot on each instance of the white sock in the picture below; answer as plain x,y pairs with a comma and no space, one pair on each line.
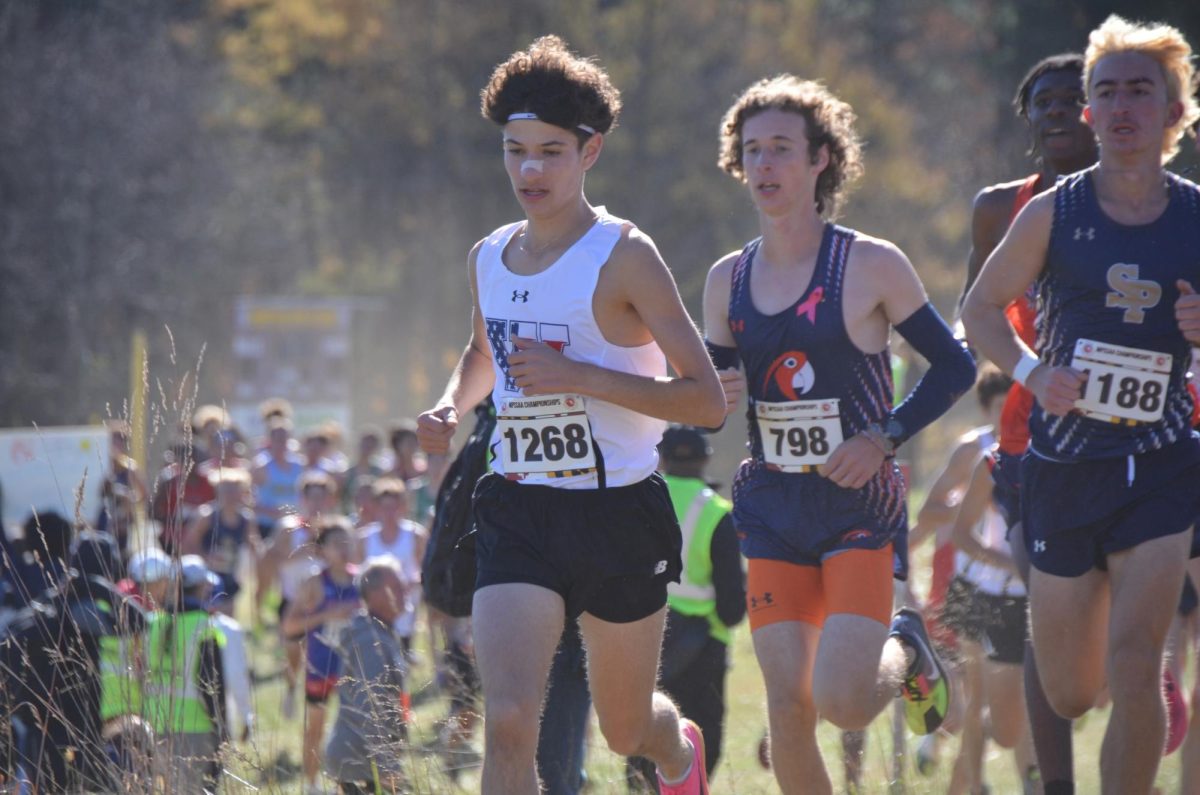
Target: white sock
687,772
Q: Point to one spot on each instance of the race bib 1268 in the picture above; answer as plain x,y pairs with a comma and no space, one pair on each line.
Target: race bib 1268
1123,384
545,435
798,434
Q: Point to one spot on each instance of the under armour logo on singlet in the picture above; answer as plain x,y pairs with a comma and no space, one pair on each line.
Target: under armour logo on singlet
1130,293
1081,233
520,296
1039,546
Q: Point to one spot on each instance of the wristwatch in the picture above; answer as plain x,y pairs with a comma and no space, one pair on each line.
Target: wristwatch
891,433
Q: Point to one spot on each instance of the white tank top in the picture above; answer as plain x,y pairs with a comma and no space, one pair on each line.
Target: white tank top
300,564
555,307
990,580
404,550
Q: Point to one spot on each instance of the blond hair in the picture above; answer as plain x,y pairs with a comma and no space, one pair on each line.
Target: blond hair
1169,49
235,476
828,122
389,487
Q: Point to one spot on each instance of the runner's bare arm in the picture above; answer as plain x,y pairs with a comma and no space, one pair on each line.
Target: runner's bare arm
299,615
899,294
717,334
716,301
937,509
193,534
989,219
471,381
641,279
254,540
975,501
1187,312
900,290
1010,269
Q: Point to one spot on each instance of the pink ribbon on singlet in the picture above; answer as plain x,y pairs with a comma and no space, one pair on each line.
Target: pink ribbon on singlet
809,307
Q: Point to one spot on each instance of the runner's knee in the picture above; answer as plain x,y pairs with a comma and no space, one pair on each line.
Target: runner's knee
508,725
845,707
1135,669
625,738
1006,727
791,705
1070,700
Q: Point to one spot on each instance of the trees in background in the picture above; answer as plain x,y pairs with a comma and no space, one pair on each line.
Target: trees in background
157,159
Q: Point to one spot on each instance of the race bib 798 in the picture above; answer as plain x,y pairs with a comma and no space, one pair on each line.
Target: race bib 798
798,434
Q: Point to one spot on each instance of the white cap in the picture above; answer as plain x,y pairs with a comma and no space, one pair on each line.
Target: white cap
151,565
195,572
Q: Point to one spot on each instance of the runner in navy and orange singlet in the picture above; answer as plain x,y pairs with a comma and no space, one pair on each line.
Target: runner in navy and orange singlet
1109,485
1050,99
322,608
574,320
819,505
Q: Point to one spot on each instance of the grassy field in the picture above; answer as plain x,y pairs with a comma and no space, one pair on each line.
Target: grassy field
269,762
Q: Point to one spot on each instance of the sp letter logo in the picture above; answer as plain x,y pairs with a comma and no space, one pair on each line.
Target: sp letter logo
520,296
1130,293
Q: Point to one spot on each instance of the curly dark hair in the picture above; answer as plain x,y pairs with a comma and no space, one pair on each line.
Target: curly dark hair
990,384
1063,62
333,524
558,86
828,121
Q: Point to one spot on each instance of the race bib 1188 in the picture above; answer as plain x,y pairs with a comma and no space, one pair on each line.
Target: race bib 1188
1123,384
799,434
545,435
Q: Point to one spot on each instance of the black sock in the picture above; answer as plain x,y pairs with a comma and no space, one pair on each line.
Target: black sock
1052,741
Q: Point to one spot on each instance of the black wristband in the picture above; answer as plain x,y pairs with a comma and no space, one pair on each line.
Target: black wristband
724,357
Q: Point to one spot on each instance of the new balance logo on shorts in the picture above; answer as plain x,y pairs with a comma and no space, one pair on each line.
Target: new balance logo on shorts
660,567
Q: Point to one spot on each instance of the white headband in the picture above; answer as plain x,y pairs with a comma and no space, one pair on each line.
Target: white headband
534,117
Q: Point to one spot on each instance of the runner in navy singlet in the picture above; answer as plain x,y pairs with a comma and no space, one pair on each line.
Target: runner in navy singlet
1051,100
1109,487
819,506
322,608
220,532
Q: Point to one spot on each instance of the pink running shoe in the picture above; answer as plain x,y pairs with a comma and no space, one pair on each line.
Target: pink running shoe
1177,713
696,781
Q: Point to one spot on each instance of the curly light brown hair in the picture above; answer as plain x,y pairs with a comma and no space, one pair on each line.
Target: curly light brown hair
553,83
828,121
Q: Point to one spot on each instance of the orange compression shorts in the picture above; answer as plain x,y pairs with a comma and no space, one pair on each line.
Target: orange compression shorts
857,581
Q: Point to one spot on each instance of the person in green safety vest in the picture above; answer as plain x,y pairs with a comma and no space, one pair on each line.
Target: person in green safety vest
152,575
710,598
184,690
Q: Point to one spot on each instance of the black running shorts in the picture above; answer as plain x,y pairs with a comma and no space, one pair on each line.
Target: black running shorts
608,552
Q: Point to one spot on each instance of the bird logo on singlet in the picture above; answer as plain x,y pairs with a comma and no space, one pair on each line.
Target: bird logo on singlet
792,373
